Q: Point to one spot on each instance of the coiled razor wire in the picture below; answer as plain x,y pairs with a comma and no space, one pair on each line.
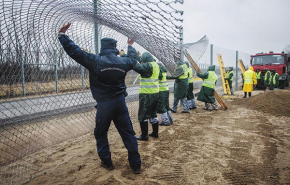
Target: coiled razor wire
45,96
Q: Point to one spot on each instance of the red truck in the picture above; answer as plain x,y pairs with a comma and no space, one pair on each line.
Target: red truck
280,62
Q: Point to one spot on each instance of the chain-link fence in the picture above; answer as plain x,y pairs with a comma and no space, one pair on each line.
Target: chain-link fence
44,95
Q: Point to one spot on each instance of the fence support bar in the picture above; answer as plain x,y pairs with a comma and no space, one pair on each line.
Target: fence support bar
22,71
55,69
83,77
237,60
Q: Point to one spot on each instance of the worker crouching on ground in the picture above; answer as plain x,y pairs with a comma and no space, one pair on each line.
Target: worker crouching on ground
259,80
250,81
180,88
163,100
229,78
107,82
148,95
267,79
274,81
206,93
190,95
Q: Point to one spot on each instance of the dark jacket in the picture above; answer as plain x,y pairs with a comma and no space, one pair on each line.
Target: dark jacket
107,70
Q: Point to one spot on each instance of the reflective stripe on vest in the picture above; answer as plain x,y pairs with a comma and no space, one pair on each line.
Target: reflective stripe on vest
163,85
248,79
190,75
274,78
258,75
267,75
211,79
228,74
150,85
185,70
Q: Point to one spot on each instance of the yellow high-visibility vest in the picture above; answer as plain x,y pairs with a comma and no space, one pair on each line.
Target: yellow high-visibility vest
190,80
185,70
163,85
267,75
274,78
258,75
210,81
228,74
150,85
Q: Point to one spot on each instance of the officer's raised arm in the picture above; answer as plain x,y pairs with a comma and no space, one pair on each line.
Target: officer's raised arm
74,51
131,52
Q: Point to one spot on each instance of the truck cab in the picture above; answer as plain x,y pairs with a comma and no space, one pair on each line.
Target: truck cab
280,62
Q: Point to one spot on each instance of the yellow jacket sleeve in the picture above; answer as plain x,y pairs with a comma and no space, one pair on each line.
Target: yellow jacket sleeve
255,78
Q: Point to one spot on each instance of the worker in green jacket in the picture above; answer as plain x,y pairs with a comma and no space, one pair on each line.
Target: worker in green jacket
180,88
274,81
148,95
190,95
259,80
206,93
163,100
229,78
267,79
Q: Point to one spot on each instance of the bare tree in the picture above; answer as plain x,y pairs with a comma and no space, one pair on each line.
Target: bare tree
287,49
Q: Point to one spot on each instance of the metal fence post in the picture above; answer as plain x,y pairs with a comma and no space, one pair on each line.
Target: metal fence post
132,76
22,71
237,60
55,69
96,27
83,77
181,43
211,54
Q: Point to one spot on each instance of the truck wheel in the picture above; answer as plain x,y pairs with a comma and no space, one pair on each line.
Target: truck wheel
287,82
282,84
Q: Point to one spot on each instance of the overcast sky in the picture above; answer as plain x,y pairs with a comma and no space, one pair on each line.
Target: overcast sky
249,26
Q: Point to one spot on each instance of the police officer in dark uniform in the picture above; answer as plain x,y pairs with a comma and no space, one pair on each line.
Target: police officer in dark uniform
107,83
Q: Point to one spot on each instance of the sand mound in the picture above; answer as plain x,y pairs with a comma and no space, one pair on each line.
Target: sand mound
271,102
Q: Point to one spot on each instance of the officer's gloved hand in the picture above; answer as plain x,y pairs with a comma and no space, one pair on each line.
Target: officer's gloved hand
125,94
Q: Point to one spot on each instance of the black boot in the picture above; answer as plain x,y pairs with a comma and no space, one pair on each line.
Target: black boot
155,128
144,131
250,94
245,95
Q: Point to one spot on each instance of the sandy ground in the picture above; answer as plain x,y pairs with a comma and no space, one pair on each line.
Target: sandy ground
236,146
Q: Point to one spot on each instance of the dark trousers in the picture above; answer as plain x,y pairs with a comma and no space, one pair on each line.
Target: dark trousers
116,109
259,84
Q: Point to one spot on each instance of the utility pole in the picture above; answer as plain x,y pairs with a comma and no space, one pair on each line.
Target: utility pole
237,60
211,54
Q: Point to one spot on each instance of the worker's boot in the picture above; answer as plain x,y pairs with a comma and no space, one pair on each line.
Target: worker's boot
210,107
165,119
155,128
185,106
232,91
250,94
193,104
144,131
170,117
215,106
206,106
245,95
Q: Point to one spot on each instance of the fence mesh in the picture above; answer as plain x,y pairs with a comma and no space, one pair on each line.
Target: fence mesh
44,95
